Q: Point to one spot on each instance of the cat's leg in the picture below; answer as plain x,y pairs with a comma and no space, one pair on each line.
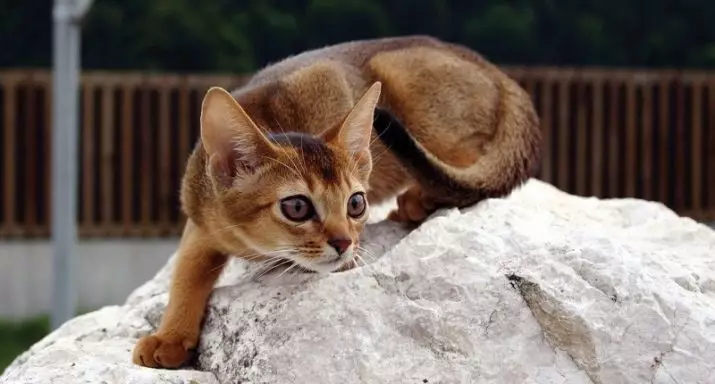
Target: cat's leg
198,266
413,206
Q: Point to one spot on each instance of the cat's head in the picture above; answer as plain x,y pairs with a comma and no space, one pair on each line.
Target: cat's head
290,196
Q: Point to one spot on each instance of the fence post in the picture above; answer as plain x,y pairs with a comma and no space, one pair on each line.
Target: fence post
66,15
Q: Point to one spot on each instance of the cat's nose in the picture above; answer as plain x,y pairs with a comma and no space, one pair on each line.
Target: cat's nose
340,244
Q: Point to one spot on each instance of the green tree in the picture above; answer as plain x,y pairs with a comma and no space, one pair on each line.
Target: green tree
227,35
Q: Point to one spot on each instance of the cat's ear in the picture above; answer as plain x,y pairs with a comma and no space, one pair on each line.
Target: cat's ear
356,129
235,145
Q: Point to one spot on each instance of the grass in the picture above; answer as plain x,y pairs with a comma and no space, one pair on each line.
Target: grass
16,336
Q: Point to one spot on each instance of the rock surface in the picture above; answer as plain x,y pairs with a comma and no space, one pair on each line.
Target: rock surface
539,287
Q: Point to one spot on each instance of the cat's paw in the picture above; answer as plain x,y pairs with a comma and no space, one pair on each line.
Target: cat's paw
161,352
412,207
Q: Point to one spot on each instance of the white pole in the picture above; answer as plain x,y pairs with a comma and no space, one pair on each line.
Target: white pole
66,16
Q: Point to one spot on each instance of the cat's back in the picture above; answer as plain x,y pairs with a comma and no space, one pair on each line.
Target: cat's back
315,88
348,54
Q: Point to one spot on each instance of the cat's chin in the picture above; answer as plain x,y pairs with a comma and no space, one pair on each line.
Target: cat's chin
298,264
324,267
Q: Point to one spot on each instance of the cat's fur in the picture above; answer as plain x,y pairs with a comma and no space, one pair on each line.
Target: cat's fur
375,116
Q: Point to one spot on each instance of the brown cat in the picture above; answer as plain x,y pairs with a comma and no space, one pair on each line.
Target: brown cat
286,166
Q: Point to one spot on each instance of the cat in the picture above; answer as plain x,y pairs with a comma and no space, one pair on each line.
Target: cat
287,165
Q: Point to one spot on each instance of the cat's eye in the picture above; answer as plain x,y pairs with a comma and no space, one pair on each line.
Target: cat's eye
357,204
297,208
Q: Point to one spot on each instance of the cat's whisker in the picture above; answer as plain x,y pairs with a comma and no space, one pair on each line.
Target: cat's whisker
267,263
302,158
352,161
255,256
361,268
287,269
275,266
366,252
377,157
284,151
361,259
293,170
358,258
212,270
292,161
364,268
264,263
361,253
228,260
271,269
371,267
272,253
272,256
228,227
380,134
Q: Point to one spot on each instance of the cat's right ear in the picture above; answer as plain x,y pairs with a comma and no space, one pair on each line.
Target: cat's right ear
235,145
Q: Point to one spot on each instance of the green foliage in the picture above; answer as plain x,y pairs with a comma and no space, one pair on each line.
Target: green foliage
238,36
17,336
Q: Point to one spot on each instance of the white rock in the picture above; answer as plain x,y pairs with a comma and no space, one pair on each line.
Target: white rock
540,287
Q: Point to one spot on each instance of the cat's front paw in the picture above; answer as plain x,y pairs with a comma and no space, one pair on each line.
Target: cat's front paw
155,351
412,207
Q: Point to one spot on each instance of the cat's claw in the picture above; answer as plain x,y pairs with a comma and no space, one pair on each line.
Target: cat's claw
160,352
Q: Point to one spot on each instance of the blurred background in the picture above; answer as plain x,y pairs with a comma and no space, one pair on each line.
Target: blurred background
625,92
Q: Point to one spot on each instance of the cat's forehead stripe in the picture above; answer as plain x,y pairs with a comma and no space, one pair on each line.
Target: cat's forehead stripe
316,154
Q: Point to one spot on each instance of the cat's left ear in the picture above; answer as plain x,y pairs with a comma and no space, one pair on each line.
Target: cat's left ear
356,129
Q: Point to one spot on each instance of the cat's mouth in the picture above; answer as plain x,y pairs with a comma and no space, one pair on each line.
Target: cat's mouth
323,264
295,262
330,261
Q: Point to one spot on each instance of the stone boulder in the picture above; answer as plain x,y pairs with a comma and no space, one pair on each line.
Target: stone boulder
538,287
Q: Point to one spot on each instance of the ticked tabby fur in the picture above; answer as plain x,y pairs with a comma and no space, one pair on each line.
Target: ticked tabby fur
287,164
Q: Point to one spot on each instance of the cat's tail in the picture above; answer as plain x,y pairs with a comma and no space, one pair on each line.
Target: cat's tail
507,161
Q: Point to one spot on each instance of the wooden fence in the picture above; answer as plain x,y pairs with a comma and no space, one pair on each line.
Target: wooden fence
609,133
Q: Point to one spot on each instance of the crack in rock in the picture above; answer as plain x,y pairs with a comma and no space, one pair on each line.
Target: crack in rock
561,328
